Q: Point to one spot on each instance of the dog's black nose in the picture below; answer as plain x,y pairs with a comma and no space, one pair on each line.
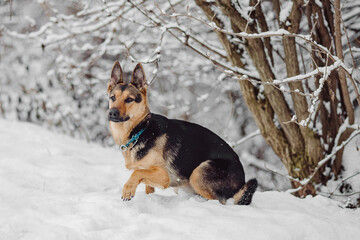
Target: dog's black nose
114,113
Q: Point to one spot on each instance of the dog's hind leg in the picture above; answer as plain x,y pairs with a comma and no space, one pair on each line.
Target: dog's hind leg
149,189
199,183
217,179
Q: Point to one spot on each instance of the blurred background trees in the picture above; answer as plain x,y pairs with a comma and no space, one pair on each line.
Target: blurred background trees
286,69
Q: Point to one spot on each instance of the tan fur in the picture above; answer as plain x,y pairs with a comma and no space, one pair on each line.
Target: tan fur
121,130
149,189
197,182
153,158
153,176
237,196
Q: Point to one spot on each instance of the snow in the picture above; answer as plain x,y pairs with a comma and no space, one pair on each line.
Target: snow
56,187
318,70
285,11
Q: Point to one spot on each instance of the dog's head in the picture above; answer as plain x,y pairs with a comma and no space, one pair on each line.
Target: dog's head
127,99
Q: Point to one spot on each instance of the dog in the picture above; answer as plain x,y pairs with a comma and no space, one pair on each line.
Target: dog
170,153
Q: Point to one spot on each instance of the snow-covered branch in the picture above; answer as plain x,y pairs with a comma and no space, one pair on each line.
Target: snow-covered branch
325,160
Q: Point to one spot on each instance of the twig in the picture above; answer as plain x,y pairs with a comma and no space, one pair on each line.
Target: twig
11,8
283,175
341,195
344,180
244,139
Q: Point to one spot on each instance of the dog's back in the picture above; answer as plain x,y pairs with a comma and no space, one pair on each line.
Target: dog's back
189,146
196,144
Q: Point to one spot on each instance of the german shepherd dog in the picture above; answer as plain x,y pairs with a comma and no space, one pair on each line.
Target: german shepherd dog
170,153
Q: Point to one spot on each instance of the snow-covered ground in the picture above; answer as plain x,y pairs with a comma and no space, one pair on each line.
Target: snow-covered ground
56,187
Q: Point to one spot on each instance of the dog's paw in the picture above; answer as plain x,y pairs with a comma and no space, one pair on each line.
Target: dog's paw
128,192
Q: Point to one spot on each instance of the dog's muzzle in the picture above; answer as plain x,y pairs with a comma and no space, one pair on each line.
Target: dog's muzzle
114,116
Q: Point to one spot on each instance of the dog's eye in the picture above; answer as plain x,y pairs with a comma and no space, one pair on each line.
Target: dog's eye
129,100
113,98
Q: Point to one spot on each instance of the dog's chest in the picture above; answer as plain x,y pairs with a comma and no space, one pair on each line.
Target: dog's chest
155,156
134,160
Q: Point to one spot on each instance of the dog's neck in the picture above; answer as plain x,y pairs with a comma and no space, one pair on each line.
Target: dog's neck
141,125
122,132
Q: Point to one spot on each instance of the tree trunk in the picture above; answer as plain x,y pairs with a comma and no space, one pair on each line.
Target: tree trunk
299,147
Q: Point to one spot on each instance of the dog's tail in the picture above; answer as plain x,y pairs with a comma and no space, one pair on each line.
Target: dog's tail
245,194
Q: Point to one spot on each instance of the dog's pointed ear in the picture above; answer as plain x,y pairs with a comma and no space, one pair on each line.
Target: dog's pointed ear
116,76
138,78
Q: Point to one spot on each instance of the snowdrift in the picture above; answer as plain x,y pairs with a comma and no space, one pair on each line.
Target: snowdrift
56,187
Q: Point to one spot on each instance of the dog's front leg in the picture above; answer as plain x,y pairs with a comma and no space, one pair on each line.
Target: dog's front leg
153,177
